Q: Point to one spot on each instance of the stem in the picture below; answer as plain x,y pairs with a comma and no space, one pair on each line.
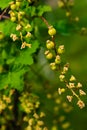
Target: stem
2,15
15,110
45,21
5,17
53,39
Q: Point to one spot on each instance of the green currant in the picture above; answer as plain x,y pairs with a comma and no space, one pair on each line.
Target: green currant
61,49
49,55
68,14
60,4
1,35
49,44
22,13
57,61
51,31
53,66
12,14
13,6
18,3
13,19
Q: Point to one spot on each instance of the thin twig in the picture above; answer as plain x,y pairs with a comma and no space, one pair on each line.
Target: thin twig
2,15
45,21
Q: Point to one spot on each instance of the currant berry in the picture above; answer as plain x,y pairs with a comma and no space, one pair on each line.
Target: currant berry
68,14
1,35
77,19
12,14
49,55
51,31
49,44
13,6
18,3
57,60
61,49
13,19
22,13
60,4
53,66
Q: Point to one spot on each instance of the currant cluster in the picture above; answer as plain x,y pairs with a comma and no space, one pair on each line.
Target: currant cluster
53,53
23,27
30,104
6,101
6,108
67,6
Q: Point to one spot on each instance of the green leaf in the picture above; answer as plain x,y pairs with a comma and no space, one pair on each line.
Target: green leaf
32,10
7,27
25,57
13,79
4,54
4,3
62,27
3,81
43,9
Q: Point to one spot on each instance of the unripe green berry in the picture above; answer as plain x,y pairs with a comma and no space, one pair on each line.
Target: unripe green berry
22,13
57,60
60,4
60,49
13,19
49,55
1,35
19,17
18,3
51,31
49,44
13,6
68,14
53,66
30,1
12,14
